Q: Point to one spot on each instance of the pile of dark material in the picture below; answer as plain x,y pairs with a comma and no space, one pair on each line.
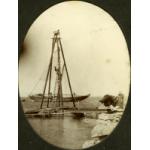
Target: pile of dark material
108,100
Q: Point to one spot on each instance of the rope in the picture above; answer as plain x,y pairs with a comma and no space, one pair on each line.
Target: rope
37,82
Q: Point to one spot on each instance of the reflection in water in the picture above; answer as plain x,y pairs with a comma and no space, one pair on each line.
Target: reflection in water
64,132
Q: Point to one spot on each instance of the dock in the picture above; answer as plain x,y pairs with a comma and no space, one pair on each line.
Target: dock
67,112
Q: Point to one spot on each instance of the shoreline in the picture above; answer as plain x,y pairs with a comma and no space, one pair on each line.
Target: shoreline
105,124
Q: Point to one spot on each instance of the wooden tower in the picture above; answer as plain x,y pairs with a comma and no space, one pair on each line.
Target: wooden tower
56,46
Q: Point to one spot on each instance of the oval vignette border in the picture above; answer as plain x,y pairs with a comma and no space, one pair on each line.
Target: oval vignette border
120,10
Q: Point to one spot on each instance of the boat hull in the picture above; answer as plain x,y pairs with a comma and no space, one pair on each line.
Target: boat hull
65,99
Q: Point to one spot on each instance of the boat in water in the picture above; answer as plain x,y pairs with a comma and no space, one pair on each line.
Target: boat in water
38,98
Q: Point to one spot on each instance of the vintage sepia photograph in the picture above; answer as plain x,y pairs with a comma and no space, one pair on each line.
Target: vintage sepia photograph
74,75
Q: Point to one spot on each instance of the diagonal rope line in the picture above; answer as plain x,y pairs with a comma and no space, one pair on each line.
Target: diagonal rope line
37,82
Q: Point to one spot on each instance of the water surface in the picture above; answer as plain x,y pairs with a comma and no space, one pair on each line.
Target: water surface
64,132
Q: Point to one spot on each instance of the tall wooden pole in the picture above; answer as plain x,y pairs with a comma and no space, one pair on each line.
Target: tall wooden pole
43,96
60,97
61,48
50,75
59,77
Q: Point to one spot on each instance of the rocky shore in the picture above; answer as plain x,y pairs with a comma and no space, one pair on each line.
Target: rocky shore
105,123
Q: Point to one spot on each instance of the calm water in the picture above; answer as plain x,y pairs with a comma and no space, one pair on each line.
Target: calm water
67,132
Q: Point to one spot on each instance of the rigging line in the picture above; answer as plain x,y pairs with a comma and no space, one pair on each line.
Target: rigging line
37,82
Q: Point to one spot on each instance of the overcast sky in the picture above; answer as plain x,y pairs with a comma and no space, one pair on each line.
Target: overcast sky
94,46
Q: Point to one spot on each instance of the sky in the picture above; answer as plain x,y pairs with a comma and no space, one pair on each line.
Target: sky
94,47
